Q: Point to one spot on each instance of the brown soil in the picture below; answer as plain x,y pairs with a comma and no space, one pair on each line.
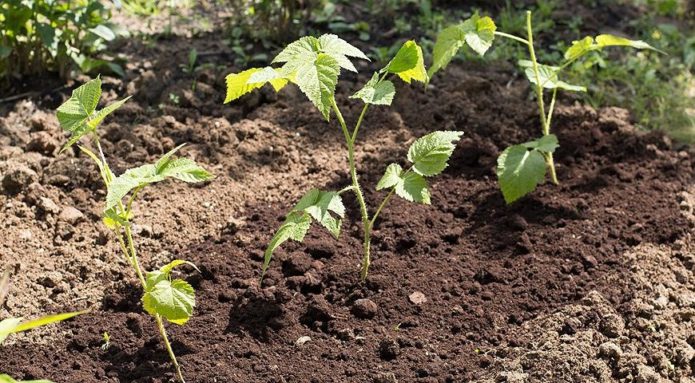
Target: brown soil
589,281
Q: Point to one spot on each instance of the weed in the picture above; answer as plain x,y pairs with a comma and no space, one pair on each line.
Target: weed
314,65
164,297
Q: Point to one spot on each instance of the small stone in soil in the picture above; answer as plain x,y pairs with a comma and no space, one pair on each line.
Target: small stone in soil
302,340
389,349
18,178
71,215
417,298
364,308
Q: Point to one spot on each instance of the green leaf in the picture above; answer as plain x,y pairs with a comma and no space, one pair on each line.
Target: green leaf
391,177
173,300
304,50
104,32
587,44
295,227
239,84
449,41
46,320
413,187
579,48
319,205
308,48
167,269
9,379
376,92
79,107
409,63
547,144
340,50
519,171
479,33
430,153
317,80
183,169
548,77
96,120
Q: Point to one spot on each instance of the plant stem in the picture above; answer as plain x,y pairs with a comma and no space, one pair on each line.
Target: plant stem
545,121
366,227
163,333
507,35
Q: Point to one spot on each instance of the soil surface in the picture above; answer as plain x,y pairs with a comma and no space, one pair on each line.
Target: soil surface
588,281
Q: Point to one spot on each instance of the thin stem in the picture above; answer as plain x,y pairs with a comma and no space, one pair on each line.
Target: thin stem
381,206
163,333
356,188
359,123
546,128
507,35
133,255
536,71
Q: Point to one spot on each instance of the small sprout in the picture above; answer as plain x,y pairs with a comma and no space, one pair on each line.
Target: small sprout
106,341
520,168
163,298
314,65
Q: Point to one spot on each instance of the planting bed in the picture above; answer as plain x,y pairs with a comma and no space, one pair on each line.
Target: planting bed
588,281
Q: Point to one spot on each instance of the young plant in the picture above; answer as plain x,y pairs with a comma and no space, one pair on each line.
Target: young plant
11,326
520,168
314,65
164,297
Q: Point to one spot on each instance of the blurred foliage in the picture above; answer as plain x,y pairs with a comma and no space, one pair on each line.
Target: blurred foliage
53,35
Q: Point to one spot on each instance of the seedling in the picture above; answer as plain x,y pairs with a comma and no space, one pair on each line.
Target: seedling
520,168
314,65
11,326
164,297
106,341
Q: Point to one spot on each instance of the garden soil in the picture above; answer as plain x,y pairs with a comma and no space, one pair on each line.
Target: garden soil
588,281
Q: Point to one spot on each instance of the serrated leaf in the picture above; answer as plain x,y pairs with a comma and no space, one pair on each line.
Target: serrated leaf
479,33
239,84
8,379
547,144
449,41
409,63
173,300
548,77
96,119
391,177
376,92
183,169
430,153
317,80
79,107
340,50
607,40
305,49
413,187
295,227
319,205
519,171
168,268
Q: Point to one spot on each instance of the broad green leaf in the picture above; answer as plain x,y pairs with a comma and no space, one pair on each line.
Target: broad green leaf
548,77
580,48
173,300
183,169
319,205
317,80
104,32
7,327
519,171
480,32
79,107
95,120
305,50
547,144
409,63
449,41
376,92
9,379
413,187
239,84
430,153
340,50
391,177
295,227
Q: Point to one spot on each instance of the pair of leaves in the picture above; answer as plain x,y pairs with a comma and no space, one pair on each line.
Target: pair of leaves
313,64
183,169
520,168
408,64
78,115
322,206
14,325
548,76
429,156
172,299
587,44
478,32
